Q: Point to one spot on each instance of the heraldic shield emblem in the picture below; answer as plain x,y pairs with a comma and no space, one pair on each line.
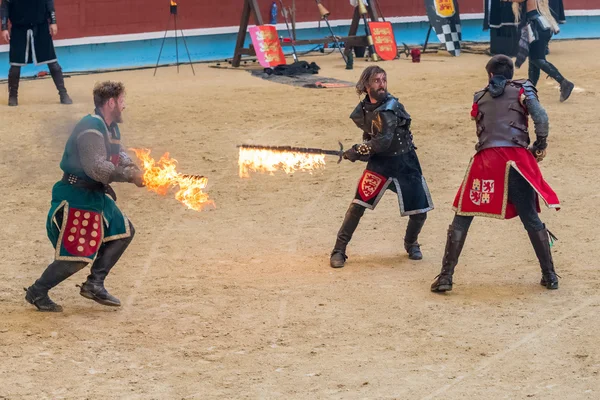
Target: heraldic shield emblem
370,185
444,18
384,40
482,191
266,45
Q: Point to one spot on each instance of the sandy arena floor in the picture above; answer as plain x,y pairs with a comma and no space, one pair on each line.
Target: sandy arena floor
240,302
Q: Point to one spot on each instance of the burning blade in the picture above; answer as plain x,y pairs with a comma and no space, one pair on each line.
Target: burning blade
291,149
160,176
258,158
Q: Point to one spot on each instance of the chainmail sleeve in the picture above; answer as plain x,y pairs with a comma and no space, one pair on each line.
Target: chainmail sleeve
125,160
540,121
92,155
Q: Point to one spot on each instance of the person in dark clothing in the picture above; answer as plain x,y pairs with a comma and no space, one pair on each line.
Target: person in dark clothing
33,24
537,27
392,163
503,179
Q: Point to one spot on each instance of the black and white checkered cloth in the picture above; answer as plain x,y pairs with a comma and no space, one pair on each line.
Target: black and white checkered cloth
451,37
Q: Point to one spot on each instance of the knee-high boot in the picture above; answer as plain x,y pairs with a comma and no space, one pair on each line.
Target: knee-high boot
108,255
411,243
14,76
59,81
454,244
541,246
351,220
55,273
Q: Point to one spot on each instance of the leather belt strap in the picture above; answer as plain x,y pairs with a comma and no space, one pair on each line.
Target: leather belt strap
76,181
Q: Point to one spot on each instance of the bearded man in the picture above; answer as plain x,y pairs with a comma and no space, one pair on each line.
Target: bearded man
392,163
84,223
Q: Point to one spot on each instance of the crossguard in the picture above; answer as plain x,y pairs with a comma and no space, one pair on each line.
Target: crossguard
341,152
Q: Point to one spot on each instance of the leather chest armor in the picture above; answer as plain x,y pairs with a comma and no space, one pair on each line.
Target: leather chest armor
501,121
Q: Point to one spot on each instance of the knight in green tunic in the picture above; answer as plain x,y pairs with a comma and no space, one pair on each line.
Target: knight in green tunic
84,223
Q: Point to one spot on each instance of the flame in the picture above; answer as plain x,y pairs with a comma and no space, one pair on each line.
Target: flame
173,2
160,176
260,160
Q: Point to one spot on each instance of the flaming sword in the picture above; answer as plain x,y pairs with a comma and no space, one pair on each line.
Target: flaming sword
304,150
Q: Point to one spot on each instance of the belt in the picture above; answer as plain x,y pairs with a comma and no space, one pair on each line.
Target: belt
403,150
76,181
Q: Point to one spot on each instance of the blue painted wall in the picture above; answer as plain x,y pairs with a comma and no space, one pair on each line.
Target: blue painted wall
93,57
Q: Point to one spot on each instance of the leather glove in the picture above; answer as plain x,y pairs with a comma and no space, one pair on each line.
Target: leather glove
351,154
538,149
357,152
538,154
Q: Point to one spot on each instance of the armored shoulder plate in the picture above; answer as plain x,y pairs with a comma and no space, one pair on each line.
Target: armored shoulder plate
392,104
478,95
529,89
358,116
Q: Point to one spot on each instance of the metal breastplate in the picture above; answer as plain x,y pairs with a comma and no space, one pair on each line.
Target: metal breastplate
501,121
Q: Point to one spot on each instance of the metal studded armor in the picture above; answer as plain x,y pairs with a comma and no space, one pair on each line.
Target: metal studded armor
385,126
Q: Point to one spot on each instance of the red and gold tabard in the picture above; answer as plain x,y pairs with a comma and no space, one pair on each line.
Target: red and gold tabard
384,40
266,45
484,190
444,8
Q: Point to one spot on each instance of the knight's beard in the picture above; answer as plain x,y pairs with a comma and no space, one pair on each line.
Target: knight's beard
117,116
377,95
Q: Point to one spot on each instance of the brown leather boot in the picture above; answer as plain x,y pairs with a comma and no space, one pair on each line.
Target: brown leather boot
454,244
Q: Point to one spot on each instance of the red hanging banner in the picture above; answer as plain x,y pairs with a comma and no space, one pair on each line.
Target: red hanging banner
266,45
384,40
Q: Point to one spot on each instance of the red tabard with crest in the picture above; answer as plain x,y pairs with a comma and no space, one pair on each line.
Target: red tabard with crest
484,192
370,185
82,235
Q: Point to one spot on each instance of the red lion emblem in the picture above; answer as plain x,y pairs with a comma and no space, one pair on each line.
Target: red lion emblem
370,185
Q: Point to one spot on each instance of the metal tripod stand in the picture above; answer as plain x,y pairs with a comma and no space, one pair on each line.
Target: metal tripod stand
173,12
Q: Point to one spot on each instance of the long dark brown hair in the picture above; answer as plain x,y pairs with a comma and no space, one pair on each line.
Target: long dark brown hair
366,76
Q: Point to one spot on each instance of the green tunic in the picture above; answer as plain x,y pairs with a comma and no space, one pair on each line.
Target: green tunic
81,219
